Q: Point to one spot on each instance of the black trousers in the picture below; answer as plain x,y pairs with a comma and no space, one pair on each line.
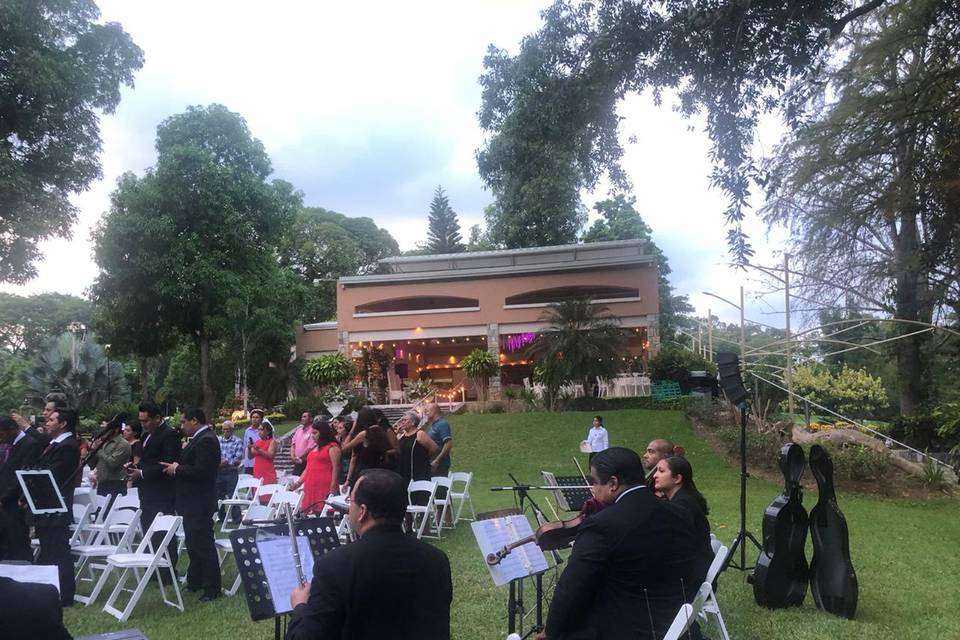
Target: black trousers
112,488
14,534
149,511
204,570
226,483
54,540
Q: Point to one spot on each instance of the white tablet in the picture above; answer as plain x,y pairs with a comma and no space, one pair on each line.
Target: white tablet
41,491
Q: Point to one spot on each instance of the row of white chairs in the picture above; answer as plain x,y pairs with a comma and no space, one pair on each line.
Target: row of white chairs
441,511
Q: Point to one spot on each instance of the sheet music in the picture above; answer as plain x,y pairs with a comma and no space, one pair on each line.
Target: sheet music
40,573
276,554
494,534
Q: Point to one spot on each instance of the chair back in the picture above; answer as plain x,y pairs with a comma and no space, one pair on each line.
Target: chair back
130,502
82,514
719,557
268,490
168,526
282,497
133,526
117,517
421,486
100,504
461,476
246,487
257,512
443,481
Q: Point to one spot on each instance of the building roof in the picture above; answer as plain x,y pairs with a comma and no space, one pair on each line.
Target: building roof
485,264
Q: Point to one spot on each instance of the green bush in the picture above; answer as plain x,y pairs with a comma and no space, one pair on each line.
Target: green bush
763,448
297,405
330,368
858,462
613,404
676,364
108,411
850,392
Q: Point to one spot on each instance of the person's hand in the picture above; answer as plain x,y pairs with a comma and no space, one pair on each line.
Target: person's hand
434,465
541,636
169,468
22,422
300,595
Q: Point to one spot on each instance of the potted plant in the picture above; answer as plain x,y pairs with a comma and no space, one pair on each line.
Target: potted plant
336,397
330,372
419,389
479,365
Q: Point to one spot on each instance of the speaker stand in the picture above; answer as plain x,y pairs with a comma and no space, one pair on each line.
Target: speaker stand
743,536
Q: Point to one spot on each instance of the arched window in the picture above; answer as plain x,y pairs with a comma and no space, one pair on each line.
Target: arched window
418,304
560,294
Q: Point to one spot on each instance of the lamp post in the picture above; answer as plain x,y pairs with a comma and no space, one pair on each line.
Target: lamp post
743,340
106,350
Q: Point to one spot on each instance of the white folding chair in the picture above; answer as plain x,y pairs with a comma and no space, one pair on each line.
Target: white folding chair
711,610
256,512
687,615
441,506
282,497
81,519
462,497
87,554
243,496
100,506
421,513
149,559
266,490
715,544
129,503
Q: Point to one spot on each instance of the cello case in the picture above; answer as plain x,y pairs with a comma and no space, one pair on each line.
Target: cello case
781,574
833,582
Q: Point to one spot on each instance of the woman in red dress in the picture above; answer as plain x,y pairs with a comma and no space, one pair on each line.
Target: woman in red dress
263,451
319,480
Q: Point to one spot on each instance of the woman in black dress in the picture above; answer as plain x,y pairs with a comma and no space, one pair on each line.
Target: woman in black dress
673,477
417,449
369,446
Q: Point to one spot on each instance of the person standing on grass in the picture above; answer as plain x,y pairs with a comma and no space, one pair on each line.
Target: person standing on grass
439,432
597,437
231,453
251,435
322,475
196,502
302,443
263,452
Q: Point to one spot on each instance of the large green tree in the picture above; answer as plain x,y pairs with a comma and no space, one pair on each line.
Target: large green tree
58,68
321,246
210,224
620,220
443,234
551,109
865,183
26,322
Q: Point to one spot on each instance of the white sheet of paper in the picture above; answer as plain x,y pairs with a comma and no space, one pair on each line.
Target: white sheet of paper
494,534
41,573
276,554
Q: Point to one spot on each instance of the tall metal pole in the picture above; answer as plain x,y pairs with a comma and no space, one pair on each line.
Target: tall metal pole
788,371
710,335
700,337
743,338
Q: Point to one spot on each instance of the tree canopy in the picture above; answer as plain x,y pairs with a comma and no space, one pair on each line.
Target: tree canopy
551,109
443,234
58,68
27,322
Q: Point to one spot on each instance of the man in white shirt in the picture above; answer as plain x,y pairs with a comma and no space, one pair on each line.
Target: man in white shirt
597,437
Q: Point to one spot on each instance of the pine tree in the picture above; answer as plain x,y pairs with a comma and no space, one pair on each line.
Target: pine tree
444,233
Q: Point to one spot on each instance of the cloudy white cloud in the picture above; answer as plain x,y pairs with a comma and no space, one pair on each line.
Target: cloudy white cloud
367,107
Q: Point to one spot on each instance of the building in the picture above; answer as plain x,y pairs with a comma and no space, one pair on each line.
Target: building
429,311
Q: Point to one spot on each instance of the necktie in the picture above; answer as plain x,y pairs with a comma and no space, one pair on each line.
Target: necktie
49,446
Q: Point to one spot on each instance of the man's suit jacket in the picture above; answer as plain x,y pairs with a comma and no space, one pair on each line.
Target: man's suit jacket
385,585
38,611
156,488
632,563
23,455
37,435
197,475
63,460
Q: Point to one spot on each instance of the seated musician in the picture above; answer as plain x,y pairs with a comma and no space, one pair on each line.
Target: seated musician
673,478
631,568
656,451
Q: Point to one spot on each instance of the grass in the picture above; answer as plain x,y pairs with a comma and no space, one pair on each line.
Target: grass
904,552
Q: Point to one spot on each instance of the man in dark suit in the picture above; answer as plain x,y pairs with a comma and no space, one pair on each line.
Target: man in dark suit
157,490
53,401
37,613
632,563
62,458
356,589
196,501
22,453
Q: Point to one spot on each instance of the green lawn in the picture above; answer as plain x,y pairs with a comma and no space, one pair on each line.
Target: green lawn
904,552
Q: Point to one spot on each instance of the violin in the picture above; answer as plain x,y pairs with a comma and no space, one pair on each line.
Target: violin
549,536
833,582
781,574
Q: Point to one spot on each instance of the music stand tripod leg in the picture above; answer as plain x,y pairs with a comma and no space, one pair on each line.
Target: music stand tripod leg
740,541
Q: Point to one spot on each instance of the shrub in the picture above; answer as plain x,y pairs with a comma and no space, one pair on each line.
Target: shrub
108,411
297,405
933,476
676,364
330,368
858,462
612,404
851,392
763,448
479,365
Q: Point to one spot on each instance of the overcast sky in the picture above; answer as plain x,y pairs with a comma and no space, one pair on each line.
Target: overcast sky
367,107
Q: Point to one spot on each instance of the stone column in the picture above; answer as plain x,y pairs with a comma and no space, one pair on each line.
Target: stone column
653,335
343,342
493,346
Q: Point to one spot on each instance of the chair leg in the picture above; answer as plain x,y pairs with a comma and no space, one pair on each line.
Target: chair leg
97,588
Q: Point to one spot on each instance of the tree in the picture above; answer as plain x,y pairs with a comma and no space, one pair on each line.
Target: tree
209,223
79,367
26,323
479,365
551,110
321,246
443,235
861,184
619,220
478,240
580,342
58,67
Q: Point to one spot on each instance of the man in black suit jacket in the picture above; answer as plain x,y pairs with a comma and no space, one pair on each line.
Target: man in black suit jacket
196,501
62,458
37,612
157,490
23,453
631,568
358,590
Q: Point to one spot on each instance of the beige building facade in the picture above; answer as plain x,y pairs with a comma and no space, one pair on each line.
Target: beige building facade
429,311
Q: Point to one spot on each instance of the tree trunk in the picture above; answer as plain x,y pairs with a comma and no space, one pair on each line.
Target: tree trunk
209,404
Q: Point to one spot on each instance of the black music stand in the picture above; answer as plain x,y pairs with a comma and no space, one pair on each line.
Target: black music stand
322,536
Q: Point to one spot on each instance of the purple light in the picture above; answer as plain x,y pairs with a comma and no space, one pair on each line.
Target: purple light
516,341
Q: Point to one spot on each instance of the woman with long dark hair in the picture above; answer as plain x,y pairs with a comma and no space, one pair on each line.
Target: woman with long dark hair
320,478
369,445
673,477
263,451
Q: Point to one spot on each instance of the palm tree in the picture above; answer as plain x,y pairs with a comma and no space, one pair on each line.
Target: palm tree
582,341
78,367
